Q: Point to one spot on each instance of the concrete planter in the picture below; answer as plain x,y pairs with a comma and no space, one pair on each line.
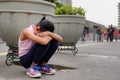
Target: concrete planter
70,27
18,14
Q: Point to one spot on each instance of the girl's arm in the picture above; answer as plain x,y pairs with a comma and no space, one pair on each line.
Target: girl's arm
56,37
26,34
53,35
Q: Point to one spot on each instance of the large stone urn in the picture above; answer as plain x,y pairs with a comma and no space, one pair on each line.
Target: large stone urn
18,14
70,27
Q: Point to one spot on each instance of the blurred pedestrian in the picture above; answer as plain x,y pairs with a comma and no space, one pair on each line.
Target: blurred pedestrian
102,33
116,34
119,34
98,32
110,33
84,34
87,33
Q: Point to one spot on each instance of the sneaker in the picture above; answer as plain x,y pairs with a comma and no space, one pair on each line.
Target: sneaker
33,72
46,69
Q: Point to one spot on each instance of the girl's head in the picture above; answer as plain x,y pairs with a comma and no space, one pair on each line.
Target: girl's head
45,25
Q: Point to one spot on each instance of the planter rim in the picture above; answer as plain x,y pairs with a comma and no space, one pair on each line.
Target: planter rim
24,11
69,16
31,1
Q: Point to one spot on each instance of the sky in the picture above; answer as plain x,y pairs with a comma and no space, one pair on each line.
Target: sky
100,11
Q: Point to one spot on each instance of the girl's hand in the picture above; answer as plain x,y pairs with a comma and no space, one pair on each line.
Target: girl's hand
40,34
46,33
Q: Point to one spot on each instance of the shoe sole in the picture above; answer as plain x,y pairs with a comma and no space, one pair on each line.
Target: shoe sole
33,76
48,73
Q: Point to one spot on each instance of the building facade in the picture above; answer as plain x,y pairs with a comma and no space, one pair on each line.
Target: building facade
65,1
119,15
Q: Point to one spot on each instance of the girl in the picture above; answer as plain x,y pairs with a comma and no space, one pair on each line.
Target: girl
36,45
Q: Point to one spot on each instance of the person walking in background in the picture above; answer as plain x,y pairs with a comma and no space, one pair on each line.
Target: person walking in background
110,33
84,34
87,33
102,33
116,34
36,46
119,34
98,32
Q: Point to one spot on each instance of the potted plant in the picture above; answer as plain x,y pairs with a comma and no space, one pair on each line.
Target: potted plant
69,22
17,14
67,9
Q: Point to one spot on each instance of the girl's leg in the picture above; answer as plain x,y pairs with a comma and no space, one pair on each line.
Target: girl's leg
51,50
34,55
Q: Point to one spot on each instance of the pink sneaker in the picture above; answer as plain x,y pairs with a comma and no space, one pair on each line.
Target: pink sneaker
33,73
46,69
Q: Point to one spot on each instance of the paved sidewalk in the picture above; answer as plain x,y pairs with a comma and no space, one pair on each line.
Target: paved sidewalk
94,61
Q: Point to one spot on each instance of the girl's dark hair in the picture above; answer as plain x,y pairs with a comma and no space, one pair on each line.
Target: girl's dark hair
46,25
